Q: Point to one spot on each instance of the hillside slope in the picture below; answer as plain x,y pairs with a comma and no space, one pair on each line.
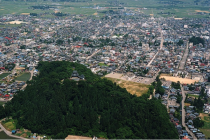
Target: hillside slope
53,106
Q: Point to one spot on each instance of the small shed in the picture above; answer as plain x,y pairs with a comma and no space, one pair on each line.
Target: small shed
13,131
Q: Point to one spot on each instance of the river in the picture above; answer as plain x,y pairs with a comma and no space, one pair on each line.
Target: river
3,135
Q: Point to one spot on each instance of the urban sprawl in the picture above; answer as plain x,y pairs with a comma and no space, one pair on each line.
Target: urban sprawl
124,45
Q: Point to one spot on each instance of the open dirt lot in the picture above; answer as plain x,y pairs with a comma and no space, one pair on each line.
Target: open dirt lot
181,80
77,137
132,87
114,75
202,11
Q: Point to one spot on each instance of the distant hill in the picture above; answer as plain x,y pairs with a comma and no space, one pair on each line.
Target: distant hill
54,105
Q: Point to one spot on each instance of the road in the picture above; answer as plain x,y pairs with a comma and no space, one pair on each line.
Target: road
161,45
10,133
93,54
183,115
182,63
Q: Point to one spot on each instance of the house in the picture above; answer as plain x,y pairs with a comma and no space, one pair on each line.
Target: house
76,77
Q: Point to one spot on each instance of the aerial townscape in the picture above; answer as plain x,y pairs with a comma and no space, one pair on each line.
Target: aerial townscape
94,69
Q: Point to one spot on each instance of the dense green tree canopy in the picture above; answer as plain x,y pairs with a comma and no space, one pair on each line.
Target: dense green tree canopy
54,105
196,40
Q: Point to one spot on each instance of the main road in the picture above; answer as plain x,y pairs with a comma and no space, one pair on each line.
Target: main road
182,63
161,45
183,115
93,54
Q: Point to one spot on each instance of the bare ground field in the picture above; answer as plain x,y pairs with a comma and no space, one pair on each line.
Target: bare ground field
132,87
176,79
115,75
77,137
202,11
186,104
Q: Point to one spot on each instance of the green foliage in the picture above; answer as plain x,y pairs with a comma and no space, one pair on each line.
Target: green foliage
180,42
198,103
140,44
196,40
176,85
59,42
198,123
60,14
209,79
179,98
159,88
56,107
23,47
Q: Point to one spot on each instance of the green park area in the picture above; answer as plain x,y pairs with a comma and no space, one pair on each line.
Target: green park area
23,77
4,75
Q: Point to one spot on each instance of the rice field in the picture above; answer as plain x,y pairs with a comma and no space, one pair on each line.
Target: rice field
187,9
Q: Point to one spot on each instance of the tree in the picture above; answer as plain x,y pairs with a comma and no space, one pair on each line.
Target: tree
198,123
209,79
23,47
181,42
196,40
59,42
93,106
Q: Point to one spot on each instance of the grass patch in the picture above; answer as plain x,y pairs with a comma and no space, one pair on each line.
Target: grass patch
102,64
9,124
206,128
206,132
9,25
23,77
4,75
1,103
191,95
132,87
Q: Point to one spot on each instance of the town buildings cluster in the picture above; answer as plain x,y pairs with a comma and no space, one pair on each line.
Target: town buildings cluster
124,42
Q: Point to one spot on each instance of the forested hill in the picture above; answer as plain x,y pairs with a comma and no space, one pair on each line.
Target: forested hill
53,106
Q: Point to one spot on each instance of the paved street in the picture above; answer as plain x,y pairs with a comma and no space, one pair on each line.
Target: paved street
93,54
182,62
161,45
183,115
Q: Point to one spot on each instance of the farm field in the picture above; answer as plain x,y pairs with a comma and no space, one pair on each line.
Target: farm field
186,9
4,75
132,87
23,77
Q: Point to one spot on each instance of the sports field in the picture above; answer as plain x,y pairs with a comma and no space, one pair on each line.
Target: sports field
23,77
4,75
176,79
